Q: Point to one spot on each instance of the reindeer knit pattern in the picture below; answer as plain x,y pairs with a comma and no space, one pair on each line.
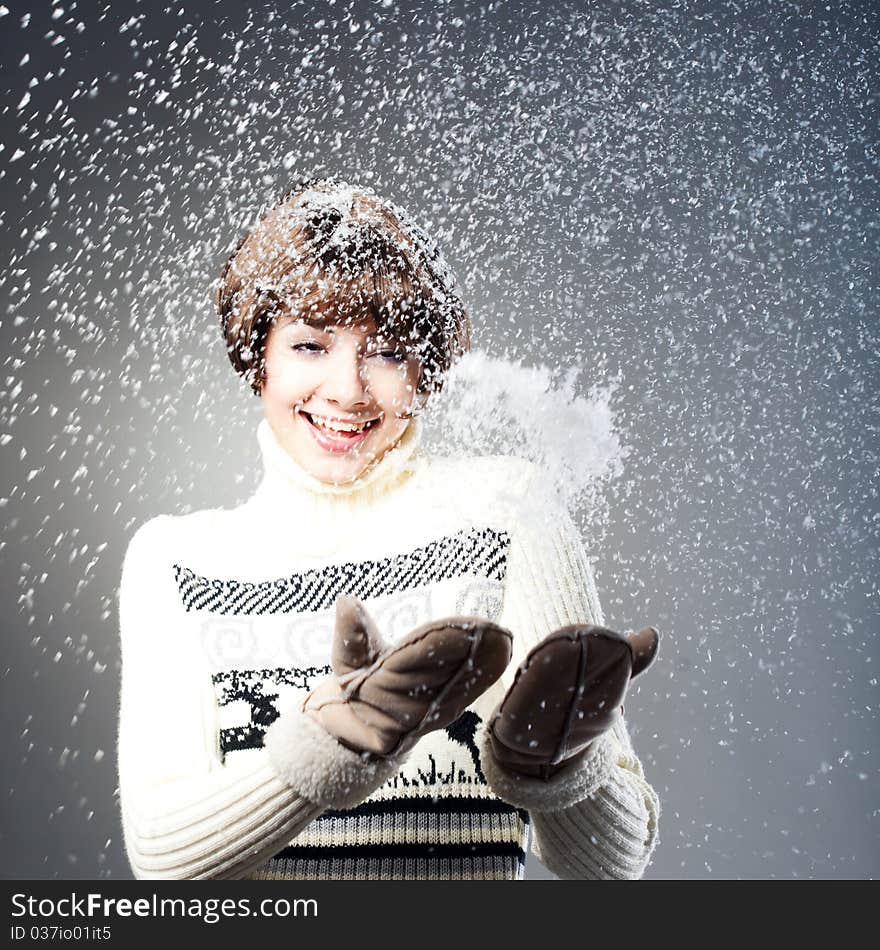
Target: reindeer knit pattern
226,619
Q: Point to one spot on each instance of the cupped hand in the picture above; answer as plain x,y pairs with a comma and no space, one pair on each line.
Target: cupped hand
381,698
565,693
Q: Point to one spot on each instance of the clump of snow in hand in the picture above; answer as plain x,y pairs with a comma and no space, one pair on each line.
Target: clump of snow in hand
496,406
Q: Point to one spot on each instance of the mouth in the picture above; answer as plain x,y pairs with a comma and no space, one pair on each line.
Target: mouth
335,436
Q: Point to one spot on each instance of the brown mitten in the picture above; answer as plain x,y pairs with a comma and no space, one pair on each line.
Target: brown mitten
566,693
383,698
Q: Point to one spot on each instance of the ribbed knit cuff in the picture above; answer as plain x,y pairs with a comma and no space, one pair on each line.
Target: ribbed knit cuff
317,766
570,785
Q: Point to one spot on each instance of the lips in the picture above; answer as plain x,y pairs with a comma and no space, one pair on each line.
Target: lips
333,440
339,425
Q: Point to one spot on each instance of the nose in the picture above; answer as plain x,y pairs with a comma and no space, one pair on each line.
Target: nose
345,384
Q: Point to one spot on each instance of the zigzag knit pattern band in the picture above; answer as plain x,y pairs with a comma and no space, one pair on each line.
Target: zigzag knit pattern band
479,553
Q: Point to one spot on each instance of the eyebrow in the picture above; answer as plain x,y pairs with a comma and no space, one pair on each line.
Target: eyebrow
326,322
319,321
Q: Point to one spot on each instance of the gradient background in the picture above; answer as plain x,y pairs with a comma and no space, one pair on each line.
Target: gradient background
681,196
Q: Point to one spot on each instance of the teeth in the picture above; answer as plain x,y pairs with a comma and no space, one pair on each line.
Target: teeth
337,426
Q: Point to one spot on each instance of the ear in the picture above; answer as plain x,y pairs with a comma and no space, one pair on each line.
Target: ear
644,646
356,639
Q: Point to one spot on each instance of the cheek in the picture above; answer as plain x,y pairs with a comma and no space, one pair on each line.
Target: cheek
397,387
286,382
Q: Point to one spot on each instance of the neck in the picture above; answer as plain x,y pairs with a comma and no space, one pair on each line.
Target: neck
288,488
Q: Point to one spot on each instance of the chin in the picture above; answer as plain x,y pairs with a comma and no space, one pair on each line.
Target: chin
336,473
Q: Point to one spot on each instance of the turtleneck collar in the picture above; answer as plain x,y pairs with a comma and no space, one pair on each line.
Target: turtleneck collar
285,481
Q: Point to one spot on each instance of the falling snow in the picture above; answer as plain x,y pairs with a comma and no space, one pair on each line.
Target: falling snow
664,220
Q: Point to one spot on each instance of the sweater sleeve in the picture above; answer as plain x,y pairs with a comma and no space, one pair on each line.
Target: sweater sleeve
598,818
186,815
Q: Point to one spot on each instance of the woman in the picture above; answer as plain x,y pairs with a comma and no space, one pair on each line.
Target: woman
317,684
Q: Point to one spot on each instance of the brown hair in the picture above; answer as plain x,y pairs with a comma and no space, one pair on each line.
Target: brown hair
338,249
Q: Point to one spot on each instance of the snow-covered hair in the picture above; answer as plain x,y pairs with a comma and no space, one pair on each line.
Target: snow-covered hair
339,250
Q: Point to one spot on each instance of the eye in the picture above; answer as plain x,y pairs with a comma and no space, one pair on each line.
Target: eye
307,346
391,355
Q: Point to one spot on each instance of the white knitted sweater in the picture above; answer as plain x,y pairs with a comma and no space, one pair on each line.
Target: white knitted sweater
226,618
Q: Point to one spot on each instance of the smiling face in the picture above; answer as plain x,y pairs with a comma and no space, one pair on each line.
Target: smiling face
332,394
